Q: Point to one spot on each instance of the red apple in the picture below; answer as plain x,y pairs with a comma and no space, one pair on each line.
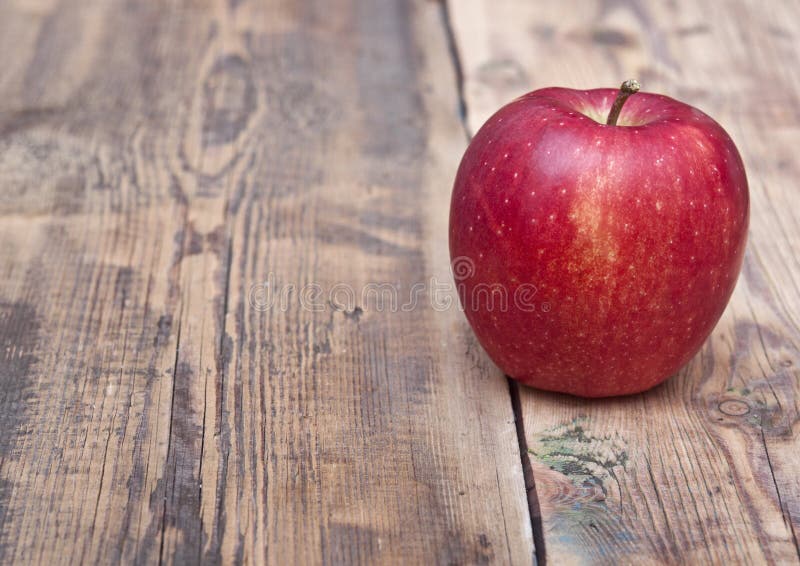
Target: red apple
595,258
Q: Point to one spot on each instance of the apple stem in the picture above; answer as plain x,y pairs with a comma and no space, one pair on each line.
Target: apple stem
628,88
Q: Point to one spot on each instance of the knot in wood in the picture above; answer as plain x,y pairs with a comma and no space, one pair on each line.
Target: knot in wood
734,408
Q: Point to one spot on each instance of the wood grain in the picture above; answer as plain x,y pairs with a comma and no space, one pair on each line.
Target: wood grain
158,163
702,469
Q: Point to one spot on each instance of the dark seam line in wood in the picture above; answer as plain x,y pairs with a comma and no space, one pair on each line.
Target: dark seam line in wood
784,510
200,467
225,301
105,450
534,510
169,438
102,475
455,58
222,369
202,454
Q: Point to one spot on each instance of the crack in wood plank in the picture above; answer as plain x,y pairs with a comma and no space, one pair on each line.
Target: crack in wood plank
534,509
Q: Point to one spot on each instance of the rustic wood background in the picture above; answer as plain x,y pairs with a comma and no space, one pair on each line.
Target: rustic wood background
161,160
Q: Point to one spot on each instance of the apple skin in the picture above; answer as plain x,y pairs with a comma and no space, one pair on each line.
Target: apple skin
628,238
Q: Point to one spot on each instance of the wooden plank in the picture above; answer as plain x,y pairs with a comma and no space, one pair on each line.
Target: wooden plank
343,420
702,469
159,164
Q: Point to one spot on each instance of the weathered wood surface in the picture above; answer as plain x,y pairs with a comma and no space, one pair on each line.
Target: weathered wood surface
159,162
703,469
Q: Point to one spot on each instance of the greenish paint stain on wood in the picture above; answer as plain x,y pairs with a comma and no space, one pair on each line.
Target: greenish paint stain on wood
585,459
584,469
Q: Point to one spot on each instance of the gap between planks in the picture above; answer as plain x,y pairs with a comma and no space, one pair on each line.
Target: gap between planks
534,511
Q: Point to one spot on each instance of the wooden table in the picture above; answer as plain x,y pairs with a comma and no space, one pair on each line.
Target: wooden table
165,167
